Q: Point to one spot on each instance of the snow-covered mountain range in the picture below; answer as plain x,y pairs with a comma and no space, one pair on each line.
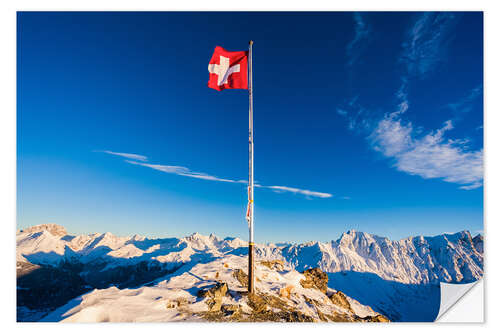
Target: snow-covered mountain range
356,262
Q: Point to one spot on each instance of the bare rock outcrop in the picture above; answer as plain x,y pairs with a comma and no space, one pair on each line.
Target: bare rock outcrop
315,278
241,276
276,265
341,300
478,242
378,319
214,296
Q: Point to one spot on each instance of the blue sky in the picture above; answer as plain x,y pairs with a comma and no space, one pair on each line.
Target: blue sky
366,121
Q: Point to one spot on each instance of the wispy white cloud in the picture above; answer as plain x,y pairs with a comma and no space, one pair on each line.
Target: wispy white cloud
183,171
359,118
466,103
472,186
342,112
391,137
423,50
427,41
402,97
126,155
358,43
413,151
186,172
308,193
430,155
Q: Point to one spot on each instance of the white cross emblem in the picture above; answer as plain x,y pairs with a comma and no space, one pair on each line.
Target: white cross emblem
223,70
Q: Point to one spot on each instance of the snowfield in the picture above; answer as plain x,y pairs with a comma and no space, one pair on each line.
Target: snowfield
142,279
176,299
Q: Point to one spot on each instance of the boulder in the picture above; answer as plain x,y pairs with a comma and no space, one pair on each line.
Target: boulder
276,265
219,290
379,319
340,299
315,278
214,296
257,303
241,276
231,309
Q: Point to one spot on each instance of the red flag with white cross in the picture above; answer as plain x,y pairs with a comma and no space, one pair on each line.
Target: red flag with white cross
228,70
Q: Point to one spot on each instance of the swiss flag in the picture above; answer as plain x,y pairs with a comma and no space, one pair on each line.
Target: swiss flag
228,70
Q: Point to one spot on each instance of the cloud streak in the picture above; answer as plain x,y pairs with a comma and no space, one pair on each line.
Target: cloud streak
279,189
126,155
357,44
183,171
466,104
186,172
359,118
427,41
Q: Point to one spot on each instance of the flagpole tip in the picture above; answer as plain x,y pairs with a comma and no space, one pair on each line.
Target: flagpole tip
250,42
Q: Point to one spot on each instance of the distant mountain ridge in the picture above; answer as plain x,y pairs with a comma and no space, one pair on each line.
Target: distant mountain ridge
399,279
453,258
449,258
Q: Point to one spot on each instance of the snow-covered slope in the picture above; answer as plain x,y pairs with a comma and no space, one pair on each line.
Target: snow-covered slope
398,270
179,298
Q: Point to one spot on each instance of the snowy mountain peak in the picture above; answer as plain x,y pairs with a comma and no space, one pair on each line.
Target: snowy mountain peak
353,238
196,236
351,234
201,242
54,229
464,235
137,237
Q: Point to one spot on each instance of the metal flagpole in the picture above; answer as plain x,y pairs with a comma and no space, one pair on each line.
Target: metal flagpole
250,172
